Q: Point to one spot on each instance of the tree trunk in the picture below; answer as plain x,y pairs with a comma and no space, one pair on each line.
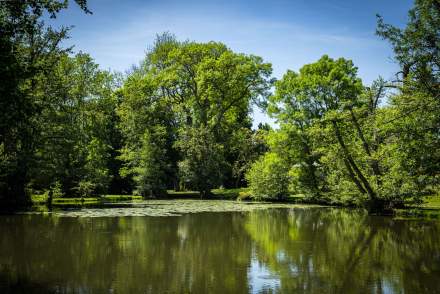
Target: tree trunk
365,184
353,177
205,193
373,163
312,169
15,195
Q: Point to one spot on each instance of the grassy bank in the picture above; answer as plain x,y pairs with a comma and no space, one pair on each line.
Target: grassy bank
429,209
432,202
42,199
227,194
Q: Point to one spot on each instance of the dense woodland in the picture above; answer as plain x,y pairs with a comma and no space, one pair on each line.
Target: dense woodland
181,119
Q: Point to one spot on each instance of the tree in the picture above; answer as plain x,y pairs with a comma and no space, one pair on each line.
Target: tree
148,127
28,52
416,47
246,147
190,87
73,146
213,89
203,164
148,164
413,123
294,140
326,111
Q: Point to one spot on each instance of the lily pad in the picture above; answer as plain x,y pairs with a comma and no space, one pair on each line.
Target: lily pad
171,208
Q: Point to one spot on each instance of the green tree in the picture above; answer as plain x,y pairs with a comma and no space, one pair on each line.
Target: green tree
73,146
246,146
268,177
147,124
326,106
413,121
203,164
294,140
28,51
213,89
416,47
190,86
148,163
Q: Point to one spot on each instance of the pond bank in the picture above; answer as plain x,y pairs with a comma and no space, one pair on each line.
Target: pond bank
429,209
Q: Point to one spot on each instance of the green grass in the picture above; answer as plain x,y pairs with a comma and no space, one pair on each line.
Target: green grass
216,193
42,199
183,194
429,209
121,197
432,202
229,193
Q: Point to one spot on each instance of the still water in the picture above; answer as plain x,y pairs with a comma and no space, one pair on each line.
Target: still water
273,250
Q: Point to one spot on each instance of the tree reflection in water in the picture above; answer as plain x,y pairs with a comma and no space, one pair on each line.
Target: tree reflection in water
346,251
311,250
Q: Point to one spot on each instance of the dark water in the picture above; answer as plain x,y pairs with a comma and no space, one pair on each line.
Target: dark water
264,251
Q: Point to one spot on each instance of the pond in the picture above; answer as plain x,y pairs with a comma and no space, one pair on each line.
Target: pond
221,247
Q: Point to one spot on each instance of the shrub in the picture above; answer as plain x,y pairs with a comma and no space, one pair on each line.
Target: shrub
268,177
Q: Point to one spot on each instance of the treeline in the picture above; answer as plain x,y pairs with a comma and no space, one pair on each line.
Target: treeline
344,142
181,119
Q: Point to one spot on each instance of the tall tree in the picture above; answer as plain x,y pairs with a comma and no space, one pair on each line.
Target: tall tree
28,51
148,126
203,88
74,144
324,103
413,123
213,89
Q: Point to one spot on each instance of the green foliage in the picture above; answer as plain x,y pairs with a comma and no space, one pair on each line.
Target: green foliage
96,166
28,52
320,132
56,190
247,145
85,188
147,125
340,144
416,46
412,122
148,163
181,119
268,177
201,93
74,145
202,167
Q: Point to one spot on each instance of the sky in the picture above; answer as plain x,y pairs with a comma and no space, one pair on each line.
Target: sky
287,34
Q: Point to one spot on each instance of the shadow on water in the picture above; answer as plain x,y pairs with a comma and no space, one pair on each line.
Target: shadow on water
263,251
22,285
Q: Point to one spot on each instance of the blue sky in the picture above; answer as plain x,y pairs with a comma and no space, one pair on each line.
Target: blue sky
288,34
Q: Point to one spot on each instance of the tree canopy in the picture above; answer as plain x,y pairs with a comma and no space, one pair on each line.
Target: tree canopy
182,118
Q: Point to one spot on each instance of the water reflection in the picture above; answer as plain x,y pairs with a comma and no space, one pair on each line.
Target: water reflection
342,251
261,279
265,251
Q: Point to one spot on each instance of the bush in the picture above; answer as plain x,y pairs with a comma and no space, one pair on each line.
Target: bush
268,177
56,189
85,189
